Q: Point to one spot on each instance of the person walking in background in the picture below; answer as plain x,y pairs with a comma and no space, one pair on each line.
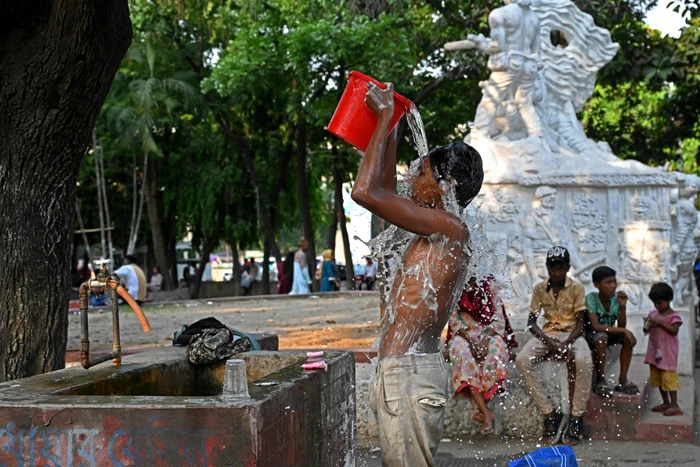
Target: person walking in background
302,279
130,280
156,283
143,283
370,273
662,326
329,273
480,341
285,271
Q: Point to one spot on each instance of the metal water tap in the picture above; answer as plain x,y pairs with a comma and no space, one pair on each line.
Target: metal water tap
105,279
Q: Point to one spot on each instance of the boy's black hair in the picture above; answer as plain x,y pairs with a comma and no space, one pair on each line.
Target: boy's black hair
602,272
131,258
661,291
462,163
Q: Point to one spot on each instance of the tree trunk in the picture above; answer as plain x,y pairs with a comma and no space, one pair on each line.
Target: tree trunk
100,204
303,187
58,59
159,241
82,231
209,245
108,217
333,227
342,221
171,255
237,141
236,266
266,268
137,206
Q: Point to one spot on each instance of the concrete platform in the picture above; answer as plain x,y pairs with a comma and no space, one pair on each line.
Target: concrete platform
158,409
629,417
483,452
622,417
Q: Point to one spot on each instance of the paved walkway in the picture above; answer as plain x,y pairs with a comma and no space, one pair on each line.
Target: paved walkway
497,453
482,452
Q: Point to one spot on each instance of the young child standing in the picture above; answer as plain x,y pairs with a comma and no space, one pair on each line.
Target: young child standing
662,326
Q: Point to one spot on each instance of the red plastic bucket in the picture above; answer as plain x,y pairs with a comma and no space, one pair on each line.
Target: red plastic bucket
353,121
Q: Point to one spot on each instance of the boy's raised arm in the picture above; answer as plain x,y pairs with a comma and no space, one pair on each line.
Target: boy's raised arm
389,163
370,191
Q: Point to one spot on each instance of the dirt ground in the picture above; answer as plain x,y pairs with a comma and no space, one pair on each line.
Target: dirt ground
347,322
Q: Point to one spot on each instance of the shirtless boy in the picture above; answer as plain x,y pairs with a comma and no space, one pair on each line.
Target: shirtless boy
412,384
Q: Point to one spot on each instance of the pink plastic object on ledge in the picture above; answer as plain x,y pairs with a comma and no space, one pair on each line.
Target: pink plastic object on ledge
314,354
315,366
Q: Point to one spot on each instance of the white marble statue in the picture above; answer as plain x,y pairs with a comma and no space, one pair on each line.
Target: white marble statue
685,248
507,106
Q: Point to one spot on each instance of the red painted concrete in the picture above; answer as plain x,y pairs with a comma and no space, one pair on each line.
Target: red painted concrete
306,420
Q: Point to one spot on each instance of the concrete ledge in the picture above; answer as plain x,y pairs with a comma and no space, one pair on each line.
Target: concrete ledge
622,417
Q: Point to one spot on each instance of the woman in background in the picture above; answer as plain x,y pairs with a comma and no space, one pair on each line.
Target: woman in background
302,279
329,273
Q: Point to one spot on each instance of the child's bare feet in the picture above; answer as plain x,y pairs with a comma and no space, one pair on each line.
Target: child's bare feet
478,417
489,418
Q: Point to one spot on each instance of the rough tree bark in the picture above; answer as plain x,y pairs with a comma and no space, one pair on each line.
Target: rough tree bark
58,59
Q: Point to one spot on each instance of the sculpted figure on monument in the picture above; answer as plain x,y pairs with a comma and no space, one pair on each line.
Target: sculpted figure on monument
540,229
684,247
508,103
645,250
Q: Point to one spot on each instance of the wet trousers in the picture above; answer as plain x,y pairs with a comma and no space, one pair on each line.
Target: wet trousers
409,397
536,350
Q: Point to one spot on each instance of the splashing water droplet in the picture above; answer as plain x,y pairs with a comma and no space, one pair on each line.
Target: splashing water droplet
415,123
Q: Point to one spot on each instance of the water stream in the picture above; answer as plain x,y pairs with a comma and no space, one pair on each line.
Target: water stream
415,123
391,244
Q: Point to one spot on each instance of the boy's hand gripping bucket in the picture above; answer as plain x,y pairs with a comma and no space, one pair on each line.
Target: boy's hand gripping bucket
353,121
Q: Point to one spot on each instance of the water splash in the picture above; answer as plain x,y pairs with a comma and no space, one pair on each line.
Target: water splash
415,123
391,245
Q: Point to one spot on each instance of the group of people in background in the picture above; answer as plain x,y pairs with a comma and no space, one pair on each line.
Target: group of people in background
578,330
294,277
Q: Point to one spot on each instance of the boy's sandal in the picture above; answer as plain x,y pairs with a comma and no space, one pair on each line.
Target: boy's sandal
549,433
660,408
628,388
603,390
673,411
574,434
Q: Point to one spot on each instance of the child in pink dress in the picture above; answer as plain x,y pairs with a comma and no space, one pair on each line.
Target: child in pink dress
480,340
662,326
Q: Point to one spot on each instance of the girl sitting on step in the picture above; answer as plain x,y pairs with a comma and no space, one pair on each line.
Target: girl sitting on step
479,340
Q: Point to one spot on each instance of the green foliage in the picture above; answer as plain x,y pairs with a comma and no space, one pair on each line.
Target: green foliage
646,101
262,69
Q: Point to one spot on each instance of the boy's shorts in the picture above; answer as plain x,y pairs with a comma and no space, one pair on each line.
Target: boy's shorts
613,338
664,379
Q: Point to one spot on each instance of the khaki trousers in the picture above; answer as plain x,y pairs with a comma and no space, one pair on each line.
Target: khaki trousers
409,397
536,350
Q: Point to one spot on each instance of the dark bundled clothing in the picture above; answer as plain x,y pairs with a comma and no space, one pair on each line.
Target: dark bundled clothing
208,340
212,345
